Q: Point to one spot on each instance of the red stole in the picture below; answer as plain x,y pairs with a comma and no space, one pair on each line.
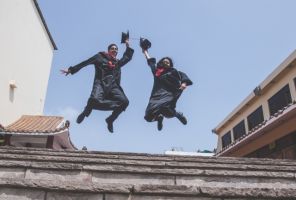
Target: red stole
159,71
111,58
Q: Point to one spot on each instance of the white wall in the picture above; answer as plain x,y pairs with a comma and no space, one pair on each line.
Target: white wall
25,56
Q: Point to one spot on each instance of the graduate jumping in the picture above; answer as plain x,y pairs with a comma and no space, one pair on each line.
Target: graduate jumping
107,93
169,83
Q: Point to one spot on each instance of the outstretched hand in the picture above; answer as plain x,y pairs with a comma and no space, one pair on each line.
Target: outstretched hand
65,71
183,86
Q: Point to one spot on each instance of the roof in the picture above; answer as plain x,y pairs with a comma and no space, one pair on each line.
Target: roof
36,124
45,25
289,62
261,129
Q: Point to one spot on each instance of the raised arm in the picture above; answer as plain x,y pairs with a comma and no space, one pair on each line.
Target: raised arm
127,56
76,68
151,61
145,52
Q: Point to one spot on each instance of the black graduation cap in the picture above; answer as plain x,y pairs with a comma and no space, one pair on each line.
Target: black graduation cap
145,43
124,36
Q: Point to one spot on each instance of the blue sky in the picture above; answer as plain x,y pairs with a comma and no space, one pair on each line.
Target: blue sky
227,47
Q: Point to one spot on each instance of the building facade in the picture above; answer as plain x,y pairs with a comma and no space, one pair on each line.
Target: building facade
26,54
264,124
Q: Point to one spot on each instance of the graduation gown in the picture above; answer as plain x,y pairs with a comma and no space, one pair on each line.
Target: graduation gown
106,93
165,92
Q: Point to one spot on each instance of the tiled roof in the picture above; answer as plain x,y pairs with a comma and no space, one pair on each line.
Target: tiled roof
35,124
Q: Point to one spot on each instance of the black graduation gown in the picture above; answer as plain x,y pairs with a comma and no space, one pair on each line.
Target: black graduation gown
165,92
107,93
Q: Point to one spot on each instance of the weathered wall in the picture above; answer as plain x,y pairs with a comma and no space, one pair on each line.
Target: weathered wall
47,174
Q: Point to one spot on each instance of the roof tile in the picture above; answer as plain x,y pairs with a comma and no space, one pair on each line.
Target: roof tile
36,124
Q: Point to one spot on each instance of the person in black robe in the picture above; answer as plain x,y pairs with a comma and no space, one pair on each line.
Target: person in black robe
107,93
169,83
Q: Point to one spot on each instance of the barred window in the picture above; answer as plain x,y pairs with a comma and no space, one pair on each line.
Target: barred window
281,99
255,118
239,130
226,139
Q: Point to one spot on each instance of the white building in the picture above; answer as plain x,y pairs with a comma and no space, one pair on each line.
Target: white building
26,53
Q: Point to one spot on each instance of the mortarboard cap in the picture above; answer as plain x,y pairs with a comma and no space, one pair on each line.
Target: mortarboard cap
124,36
145,43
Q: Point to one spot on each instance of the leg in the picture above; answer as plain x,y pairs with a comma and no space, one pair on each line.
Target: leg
168,112
96,97
159,122
155,117
171,112
149,117
100,98
181,118
122,103
86,112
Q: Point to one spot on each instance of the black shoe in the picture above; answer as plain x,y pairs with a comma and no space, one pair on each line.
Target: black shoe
181,118
109,125
80,118
159,122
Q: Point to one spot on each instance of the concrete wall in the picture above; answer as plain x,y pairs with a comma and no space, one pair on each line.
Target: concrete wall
26,54
31,173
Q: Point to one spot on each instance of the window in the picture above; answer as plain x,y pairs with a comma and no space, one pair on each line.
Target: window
1,139
281,99
226,139
239,130
255,118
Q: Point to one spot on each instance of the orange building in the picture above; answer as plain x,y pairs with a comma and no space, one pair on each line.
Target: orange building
264,124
